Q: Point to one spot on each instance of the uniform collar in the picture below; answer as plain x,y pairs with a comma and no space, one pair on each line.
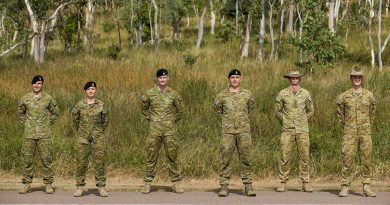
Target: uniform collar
94,103
39,97
167,89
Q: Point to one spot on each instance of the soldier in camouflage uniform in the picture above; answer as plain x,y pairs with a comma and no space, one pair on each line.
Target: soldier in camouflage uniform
234,106
90,116
293,108
37,112
163,108
355,109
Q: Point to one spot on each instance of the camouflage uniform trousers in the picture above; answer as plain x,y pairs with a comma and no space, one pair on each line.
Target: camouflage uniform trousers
153,144
44,146
96,150
229,142
350,146
303,143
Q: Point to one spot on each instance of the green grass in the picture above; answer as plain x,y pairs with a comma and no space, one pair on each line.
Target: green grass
121,83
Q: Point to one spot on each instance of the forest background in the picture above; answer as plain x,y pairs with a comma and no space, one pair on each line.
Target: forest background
120,44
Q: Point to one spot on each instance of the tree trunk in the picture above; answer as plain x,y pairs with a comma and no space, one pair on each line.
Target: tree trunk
379,36
38,47
371,15
301,22
150,24
261,31
331,16
271,30
139,27
16,31
387,7
42,43
336,11
280,29
2,27
156,27
88,24
245,49
176,25
290,22
212,20
201,23
188,21
79,30
237,14
345,11
131,37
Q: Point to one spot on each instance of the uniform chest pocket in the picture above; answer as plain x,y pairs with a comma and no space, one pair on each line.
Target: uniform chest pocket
365,102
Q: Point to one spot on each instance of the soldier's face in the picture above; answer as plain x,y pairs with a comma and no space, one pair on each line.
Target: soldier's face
356,80
294,81
90,92
37,87
162,80
235,80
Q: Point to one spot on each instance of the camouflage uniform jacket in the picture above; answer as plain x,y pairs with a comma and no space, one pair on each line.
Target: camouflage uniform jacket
37,114
234,109
90,120
294,109
162,109
356,112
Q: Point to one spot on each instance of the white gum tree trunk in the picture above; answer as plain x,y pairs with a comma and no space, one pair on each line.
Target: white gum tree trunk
40,29
139,26
201,25
260,56
151,24
271,30
290,22
331,4
156,26
2,27
89,22
371,16
379,36
280,28
212,18
245,48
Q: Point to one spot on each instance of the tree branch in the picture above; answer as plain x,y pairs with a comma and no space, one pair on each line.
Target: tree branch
3,53
385,42
54,16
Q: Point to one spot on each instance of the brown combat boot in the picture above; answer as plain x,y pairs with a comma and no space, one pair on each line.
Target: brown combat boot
25,189
49,189
343,191
177,188
103,192
307,187
78,192
224,191
281,187
367,191
147,188
249,190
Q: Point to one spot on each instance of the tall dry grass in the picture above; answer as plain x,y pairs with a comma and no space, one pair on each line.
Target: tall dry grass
121,83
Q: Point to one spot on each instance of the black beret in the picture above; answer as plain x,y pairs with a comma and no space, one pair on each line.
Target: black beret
36,79
89,84
234,72
161,72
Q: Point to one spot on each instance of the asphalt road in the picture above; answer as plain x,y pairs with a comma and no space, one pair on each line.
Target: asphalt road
235,197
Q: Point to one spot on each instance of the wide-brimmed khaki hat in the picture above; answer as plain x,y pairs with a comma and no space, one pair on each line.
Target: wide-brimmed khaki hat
293,74
356,72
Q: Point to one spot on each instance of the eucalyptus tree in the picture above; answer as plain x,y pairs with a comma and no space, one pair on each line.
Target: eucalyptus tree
43,17
205,4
